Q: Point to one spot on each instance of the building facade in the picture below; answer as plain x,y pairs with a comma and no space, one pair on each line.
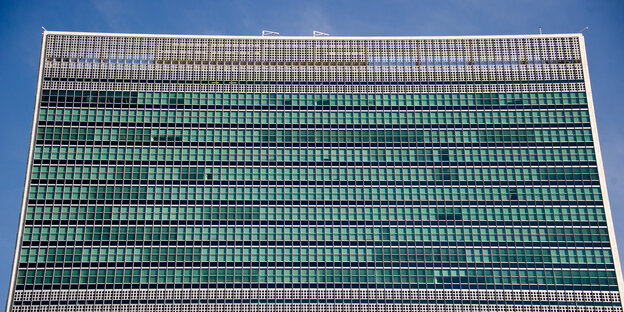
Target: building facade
221,173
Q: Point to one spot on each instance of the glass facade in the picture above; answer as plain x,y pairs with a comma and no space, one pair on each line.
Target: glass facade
183,173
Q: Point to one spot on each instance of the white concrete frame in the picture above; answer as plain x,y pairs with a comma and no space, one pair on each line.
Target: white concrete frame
31,151
601,172
603,186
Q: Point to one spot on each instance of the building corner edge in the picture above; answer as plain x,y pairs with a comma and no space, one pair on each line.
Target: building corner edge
601,172
31,149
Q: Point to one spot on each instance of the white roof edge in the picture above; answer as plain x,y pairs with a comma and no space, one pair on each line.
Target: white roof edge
273,37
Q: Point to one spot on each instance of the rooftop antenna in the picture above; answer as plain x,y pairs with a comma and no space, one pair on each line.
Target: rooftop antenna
540,28
268,32
318,33
43,28
582,30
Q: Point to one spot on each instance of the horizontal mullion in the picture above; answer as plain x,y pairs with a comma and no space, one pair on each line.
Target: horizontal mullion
177,202
450,126
446,243
355,285
323,164
304,222
314,264
508,107
129,182
313,144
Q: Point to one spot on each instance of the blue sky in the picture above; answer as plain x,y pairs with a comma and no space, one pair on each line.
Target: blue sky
20,34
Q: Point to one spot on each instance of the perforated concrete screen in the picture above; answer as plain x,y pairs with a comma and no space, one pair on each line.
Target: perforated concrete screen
220,173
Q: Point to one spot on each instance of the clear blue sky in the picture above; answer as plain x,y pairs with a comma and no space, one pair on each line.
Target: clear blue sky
20,33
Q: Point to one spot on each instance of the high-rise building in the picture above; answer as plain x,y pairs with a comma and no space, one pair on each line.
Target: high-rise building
222,173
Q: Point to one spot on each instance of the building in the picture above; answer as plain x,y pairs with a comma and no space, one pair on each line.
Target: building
222,173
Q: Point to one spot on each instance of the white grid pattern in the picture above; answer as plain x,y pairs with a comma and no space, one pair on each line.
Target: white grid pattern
313,61
318,307
234,88
427,294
